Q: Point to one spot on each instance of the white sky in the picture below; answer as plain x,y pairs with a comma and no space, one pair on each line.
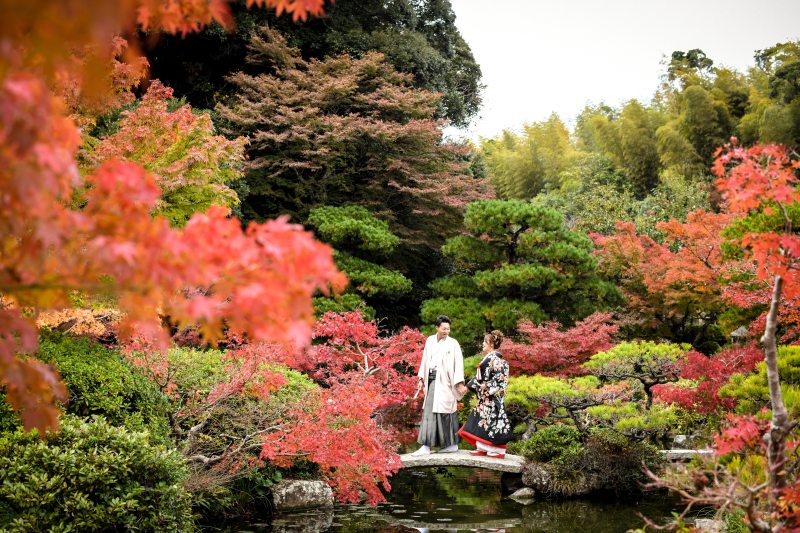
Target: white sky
541,56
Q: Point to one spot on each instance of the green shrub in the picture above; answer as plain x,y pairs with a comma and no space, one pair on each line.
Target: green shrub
615,461
548,443
100,382
751,391
606,462
91,476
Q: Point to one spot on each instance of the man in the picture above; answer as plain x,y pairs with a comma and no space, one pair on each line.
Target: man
441,376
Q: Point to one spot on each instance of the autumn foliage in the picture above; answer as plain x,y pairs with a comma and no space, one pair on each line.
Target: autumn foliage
336,430
550,350
259,280
192,166
706,375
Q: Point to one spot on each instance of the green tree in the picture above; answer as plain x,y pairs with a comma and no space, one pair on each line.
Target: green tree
523,165
646,362
361,242
344,131
418,37
773,115
517,261
593,196
628,138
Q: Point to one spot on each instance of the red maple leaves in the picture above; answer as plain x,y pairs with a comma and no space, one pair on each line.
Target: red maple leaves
551,351
763,178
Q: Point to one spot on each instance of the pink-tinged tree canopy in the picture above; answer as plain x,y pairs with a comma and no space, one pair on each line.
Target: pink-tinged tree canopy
552,351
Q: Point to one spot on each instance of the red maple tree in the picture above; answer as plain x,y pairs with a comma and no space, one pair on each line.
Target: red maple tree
260,280
552,351
760,184
710,373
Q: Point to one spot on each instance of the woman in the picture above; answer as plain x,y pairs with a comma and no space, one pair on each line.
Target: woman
487,427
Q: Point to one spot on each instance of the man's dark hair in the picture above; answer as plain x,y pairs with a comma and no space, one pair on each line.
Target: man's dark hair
441,319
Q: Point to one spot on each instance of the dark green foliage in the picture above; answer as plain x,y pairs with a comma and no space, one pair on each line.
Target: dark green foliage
91,476
417,37
100,382
616,461
468,324
517,262
605,462
370,279
352,227
342,304
362,242
548,444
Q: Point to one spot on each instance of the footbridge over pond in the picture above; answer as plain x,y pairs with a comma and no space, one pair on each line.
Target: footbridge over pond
510,463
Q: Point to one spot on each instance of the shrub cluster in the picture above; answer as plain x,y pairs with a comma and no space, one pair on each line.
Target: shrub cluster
91,476
605,461
100,382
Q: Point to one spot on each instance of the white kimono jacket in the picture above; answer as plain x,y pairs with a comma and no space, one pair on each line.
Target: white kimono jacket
449,373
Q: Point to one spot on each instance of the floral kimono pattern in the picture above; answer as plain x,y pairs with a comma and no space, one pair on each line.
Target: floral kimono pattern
488,423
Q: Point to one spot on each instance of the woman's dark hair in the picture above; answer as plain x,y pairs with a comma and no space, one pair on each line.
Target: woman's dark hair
495,338
441,319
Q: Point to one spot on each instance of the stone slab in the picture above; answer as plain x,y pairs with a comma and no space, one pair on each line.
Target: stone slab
686,455
510,463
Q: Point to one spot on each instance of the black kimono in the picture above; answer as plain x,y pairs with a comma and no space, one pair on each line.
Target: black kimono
488,423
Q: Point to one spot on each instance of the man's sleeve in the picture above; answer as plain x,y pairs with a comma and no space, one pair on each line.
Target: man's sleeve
421,359
458,376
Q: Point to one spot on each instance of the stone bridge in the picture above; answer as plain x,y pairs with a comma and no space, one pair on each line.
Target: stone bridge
510,463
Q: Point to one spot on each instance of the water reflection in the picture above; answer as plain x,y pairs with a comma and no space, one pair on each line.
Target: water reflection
463,499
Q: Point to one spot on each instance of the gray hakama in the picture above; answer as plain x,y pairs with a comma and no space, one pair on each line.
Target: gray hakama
437,430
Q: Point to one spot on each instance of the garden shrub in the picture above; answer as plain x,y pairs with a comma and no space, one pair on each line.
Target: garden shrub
548,443
606,462
100,382
91,476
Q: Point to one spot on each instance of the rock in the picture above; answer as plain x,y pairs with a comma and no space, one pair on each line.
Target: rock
545,479
708,525
525,496
680,441
290,495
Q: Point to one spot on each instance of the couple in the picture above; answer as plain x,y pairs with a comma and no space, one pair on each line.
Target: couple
441,376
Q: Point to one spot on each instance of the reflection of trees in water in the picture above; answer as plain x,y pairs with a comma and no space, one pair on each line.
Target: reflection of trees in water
478,489
317,521
466,499
604,517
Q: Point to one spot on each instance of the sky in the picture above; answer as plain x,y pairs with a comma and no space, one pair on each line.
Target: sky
540,57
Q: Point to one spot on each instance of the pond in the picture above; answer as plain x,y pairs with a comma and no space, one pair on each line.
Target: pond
465,499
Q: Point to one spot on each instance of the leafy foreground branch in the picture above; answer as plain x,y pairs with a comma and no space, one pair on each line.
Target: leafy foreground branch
756,468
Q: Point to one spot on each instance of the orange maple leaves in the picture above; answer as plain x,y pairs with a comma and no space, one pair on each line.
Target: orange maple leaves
259,280
763,179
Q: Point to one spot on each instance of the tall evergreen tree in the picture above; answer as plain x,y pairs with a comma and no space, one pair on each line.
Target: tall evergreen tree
517,262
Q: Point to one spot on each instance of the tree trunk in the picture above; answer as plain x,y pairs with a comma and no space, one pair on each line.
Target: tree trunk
779,428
